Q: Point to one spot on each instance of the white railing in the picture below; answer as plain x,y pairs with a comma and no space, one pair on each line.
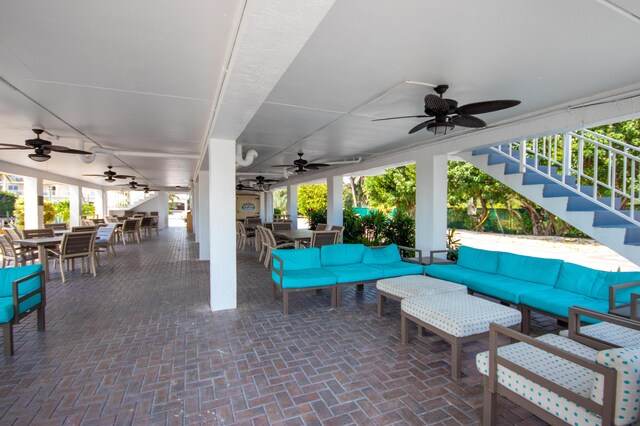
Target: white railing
587,163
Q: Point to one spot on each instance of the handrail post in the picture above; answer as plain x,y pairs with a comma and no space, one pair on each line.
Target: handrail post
566,156
523,155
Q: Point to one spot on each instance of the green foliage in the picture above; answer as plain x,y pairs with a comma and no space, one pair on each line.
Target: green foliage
63,210
7,201
401,229
315,217
395,189
453,243
18,212
353,227
280,201
374,226
88,209
311,197
276,210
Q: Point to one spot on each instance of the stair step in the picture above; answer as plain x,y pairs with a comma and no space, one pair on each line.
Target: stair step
558,190
607,219
482,151
532,178
632,237
579,204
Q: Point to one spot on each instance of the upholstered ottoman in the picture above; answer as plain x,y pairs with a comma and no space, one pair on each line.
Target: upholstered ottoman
398,288
456,317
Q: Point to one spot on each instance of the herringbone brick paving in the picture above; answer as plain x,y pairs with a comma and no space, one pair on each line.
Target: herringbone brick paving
139,345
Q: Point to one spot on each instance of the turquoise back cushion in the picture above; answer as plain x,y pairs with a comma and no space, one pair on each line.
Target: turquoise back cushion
480,260
9,275
295,260
381,256
577,279
341,254
601,288
527,268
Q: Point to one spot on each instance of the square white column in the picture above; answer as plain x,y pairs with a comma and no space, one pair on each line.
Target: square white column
292,204
75,205
33,203
99,204
203,214
163,209
431,201
222,211
194,209
268,206
334,200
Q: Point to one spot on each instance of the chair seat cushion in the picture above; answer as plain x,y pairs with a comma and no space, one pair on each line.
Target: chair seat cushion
417,285
558,302
305,278
568,375
611,333
354,273
503,288
400,268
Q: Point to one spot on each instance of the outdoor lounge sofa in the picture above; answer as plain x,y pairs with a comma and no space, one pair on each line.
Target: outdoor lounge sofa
548,286
332,266
22,291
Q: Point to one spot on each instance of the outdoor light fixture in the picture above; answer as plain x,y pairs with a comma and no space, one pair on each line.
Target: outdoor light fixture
440,128
40,155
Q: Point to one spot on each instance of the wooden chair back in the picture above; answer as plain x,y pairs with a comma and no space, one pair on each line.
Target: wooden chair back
253,221
12,234
38,233
56,226
130,225
321,227
98,221
281,226
6,246
78,243
153,214
324,238
83,228
146,221
105,233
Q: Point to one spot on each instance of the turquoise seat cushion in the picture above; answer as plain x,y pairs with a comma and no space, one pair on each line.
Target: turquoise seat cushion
398,269
577,279
295,260
381,256
480,260
9,275
356,272
527,268
503,288
341,254
305,278
601,288
558,302
6,306
450,272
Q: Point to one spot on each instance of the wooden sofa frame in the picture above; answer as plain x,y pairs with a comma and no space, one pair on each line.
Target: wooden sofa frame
7,327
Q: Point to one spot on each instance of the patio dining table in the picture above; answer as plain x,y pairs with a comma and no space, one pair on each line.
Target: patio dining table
295,235
41,244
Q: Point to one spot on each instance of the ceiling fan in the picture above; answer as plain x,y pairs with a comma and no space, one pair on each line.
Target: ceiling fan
132,184
259,180
302,165
447,114
42,147
111,176
241,187
146,189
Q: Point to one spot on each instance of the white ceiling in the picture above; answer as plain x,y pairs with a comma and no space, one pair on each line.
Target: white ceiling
145,75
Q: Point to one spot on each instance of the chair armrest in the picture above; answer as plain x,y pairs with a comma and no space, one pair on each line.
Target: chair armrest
576,312
279,272
614,288
432,252
405,249
17,300
604,410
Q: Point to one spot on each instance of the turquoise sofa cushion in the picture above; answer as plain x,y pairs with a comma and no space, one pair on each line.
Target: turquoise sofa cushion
355,272
6,306
381,256
480,260
451,272
341,254
577,279
295,260
305,278
503,288
601,289
9,275
527,268
558,302
397,269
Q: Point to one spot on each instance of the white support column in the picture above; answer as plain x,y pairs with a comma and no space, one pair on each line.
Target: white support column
222,211
194,210
292,204
75,205
163,209
268,206
262,206
99,204
203,214
334,200
431,201
33,203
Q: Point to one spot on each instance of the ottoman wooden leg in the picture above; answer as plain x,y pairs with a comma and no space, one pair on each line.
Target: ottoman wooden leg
421,331
285,301
404,332
381,299
336,303
456,353
334,296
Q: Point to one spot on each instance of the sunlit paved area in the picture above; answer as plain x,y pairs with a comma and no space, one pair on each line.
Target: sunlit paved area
138,345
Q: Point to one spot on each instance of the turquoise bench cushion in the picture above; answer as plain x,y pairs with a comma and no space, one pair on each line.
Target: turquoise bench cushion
305,278
381,256
451,272
398,269
527,268
480,260
354,273
503,288
577,279
558,302
601,289
295,260
6,306
341,254
9,275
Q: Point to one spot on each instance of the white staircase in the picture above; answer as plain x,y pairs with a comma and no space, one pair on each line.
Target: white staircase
582,177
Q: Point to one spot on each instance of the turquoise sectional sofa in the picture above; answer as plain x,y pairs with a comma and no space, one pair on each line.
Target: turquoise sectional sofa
333,266
22,291
548,286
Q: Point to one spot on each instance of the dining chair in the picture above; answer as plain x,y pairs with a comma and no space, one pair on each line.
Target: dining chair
338,228
324,238
105,240
37,233
76,245
281,226
145,225
244,235
321,227
86,222
18,255
56,226
272,244
98,221
83,228
130,230
154,224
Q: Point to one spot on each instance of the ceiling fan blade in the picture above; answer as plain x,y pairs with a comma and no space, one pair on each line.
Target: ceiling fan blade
467,121
65,150
123,177
486,106
96,175
436,104
285,165
420,126
317,165
404,116
12,146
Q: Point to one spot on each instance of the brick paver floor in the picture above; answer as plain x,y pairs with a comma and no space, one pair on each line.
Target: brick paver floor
139,345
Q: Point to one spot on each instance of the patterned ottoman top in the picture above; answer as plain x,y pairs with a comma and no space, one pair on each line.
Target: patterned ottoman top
459,314
416,285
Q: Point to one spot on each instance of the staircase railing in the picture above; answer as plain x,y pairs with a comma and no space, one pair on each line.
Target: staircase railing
587,163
